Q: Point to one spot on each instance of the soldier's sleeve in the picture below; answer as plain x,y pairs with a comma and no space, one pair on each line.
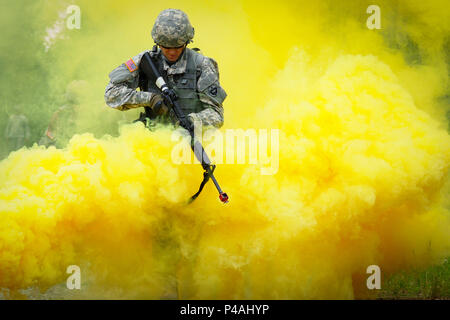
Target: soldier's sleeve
211,94
121,90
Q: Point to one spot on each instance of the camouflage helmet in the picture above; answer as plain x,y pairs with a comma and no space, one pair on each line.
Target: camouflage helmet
172,29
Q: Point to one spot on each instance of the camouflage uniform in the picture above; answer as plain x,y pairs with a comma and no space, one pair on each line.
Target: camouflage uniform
201,84
17,132
61,127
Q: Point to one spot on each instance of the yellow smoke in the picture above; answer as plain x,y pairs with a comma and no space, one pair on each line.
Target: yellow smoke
363,161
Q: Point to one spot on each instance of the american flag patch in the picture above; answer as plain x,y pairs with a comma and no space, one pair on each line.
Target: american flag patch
131,65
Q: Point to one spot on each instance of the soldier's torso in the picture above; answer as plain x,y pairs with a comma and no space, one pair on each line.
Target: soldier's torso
184,84
17,126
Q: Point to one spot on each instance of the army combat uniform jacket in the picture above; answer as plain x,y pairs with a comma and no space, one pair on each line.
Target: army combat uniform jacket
194,77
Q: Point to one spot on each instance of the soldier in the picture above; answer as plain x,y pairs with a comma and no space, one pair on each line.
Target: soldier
195,80
62,124
194,77
17,131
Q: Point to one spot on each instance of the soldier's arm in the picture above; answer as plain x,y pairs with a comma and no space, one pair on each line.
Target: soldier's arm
51,129
121,90
211,94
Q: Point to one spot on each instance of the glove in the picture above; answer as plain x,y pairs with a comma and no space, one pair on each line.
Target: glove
157,105
189,125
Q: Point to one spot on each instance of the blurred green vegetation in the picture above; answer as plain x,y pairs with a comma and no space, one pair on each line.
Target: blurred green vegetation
24,70
431,283
34,80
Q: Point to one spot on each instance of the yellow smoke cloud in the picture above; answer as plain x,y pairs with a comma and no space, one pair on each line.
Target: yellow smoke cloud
363,161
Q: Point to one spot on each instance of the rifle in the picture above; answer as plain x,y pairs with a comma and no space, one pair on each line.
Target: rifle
171,101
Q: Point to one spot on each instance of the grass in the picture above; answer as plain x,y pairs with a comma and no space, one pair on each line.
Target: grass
431,283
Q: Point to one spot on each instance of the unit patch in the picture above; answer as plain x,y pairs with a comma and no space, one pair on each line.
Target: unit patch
213,91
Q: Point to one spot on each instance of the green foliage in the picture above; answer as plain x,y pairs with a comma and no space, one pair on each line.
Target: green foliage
432,283
34,78
24,66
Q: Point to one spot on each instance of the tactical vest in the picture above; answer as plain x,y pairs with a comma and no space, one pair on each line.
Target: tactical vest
184,85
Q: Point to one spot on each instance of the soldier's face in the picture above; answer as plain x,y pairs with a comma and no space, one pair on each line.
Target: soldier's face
172,54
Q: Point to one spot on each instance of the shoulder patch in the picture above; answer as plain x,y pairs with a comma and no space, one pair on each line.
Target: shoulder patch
131,65
213,90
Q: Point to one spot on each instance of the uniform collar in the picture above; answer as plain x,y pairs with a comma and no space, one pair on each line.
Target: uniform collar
178,67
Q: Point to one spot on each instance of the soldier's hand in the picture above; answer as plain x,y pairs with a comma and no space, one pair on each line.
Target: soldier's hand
189,124
158,106
50,135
